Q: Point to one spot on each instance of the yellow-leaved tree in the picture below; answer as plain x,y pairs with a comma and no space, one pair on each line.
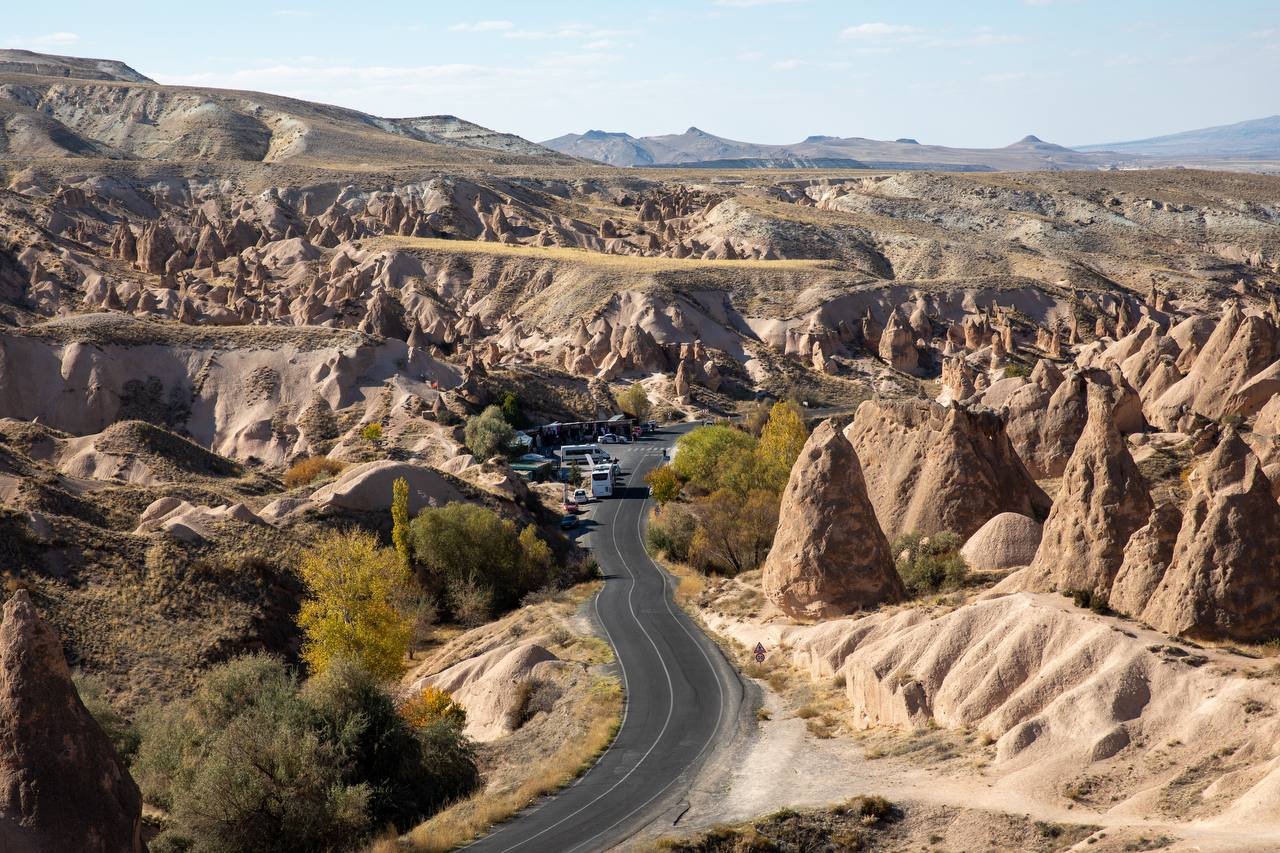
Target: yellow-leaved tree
781,441
349,610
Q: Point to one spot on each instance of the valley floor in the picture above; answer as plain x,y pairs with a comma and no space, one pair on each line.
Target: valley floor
808,752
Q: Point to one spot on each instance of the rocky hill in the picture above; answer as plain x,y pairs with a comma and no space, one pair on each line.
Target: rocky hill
55,107
45,65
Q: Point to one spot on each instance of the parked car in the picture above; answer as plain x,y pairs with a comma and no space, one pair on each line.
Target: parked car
570,505
609,438
569,521
581,496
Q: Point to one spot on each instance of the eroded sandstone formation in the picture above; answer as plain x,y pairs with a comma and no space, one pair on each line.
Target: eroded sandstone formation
931,468
1101,501
62,784
829,556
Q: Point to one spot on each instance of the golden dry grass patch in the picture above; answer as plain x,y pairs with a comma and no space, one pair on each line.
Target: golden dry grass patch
585,256
469,818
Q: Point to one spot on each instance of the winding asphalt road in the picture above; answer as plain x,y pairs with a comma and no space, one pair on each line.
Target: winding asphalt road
683,700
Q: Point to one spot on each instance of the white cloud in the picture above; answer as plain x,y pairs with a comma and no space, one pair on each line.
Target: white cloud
1004,77
48,40
990,39
565,31
796,64
481,26
877,31
747,4
750,56
879,36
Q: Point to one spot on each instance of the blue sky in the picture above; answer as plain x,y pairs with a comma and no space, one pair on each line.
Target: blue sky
975,73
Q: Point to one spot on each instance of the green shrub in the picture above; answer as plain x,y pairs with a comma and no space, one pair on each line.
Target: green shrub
488,434
410,772
253,763
929,564
243,766
511,410
372,432
1095,601
1012,370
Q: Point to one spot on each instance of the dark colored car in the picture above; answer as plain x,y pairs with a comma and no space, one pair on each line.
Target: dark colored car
569,521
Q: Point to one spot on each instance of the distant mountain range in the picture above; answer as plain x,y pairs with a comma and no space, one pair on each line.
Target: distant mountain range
698,149
1257,140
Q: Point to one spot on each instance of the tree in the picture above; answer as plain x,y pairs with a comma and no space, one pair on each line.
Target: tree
349,609
488,434
781,441
511,409
372,432
635,401
536,559
466,550
400,522
701,454
734,534
575,474
663,484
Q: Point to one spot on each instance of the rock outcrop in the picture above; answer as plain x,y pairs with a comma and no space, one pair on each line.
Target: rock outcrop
367,487
829,556
1101,501
930,468
1146,558
63,786
1225,571
1007,541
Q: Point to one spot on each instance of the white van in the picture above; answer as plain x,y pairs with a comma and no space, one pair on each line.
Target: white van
576,451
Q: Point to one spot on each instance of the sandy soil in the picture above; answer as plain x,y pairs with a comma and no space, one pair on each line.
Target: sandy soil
806,752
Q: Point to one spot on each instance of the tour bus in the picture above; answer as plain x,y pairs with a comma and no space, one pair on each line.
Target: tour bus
602,480
577,451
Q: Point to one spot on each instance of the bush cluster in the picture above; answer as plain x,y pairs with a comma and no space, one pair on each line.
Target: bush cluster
253,761
734,483
929,564
308,470
488,434
477,560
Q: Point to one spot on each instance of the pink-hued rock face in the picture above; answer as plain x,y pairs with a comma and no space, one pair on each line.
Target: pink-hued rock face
829,556
1225,569
930,468
1006,541
62,784
1101,501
